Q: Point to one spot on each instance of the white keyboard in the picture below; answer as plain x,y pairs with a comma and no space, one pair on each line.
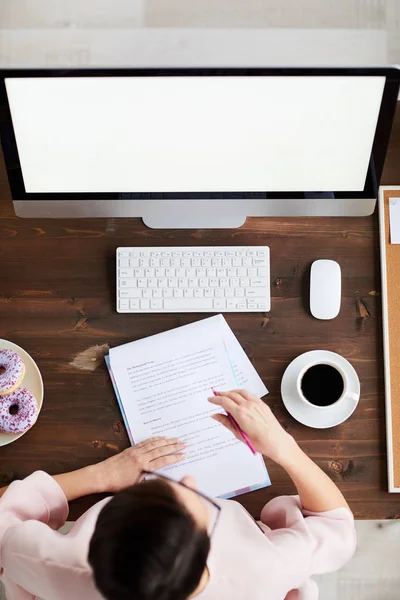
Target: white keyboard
193,279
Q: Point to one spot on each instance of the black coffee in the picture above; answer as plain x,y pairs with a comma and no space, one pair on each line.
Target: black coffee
322,385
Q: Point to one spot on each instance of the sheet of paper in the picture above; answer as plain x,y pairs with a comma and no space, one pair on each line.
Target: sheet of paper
394,217
245,374
164,382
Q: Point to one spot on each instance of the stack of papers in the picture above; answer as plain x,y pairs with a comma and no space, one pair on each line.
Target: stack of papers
162,384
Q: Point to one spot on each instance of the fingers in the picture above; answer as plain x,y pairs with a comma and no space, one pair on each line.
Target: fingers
225,402
224,420
149,441
165,450
164,461
240,396
156,442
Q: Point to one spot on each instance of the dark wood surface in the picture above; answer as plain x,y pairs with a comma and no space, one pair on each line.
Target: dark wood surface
57,292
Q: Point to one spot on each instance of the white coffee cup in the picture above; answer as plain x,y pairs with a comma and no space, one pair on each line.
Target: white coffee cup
345,395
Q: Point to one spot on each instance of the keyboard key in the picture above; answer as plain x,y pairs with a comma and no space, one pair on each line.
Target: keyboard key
196,262
181,272
231,303
236,262
193,283
235,282
166,254
130,293
197,253
147,293
262,272
138,273
173,282
160,272
149,272
192,272
125,273
154,262
185,262
127,282
219,253
188,293
244,282
214,282
178,293
203,282
157,293
188,254
260,282
260,262
165,262
241,305
123,304
202,273
155,254
144,304
144,262
167,293
239,293
219,293
208,293
162,282
133,253
221,272
242,272
183,283
252,272
198,293
123,253
232,273
251,293
133,262
170,272
219,303
251,252
211,272
191,304
156,304
134,304
124,262
224,282
229,292
142,283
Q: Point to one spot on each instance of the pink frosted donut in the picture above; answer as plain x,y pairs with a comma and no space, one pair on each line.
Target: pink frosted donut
26,411
14,371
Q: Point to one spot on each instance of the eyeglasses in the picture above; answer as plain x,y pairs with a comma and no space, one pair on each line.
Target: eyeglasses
212,507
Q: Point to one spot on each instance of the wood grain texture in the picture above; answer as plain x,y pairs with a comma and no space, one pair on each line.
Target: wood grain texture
57,300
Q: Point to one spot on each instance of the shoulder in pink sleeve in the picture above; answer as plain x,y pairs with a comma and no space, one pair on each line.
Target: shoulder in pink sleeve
322,542
38,498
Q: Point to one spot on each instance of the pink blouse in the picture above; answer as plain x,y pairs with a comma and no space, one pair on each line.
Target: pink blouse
244,562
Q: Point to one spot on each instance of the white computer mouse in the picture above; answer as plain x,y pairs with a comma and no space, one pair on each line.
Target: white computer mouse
325,289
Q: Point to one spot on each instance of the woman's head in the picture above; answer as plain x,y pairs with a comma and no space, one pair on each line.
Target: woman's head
151,543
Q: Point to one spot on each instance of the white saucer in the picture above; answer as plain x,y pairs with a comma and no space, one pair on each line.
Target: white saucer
32,381
315,416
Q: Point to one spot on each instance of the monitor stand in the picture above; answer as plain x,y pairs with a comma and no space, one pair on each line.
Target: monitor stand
196,214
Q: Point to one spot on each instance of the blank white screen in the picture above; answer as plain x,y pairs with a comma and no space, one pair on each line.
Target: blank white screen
194,134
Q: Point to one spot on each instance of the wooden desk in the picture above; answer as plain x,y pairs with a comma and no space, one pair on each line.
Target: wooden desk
57,300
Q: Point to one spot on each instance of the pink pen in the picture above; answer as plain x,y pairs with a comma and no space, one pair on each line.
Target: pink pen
236,426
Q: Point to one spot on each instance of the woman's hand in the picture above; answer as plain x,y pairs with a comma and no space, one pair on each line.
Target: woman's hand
122,470
256,419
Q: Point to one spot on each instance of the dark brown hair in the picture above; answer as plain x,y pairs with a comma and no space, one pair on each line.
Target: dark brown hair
147,546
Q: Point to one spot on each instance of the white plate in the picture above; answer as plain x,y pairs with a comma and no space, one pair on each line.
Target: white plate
32,381
315,416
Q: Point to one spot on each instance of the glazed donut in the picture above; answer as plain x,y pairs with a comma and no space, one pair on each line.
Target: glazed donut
14,371
26,411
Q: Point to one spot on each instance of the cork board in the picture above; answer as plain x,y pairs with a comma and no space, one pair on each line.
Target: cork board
390,269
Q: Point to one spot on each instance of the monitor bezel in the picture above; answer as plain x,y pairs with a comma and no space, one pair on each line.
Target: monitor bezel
376,162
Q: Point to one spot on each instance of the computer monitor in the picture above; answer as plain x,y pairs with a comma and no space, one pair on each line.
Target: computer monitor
196,147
